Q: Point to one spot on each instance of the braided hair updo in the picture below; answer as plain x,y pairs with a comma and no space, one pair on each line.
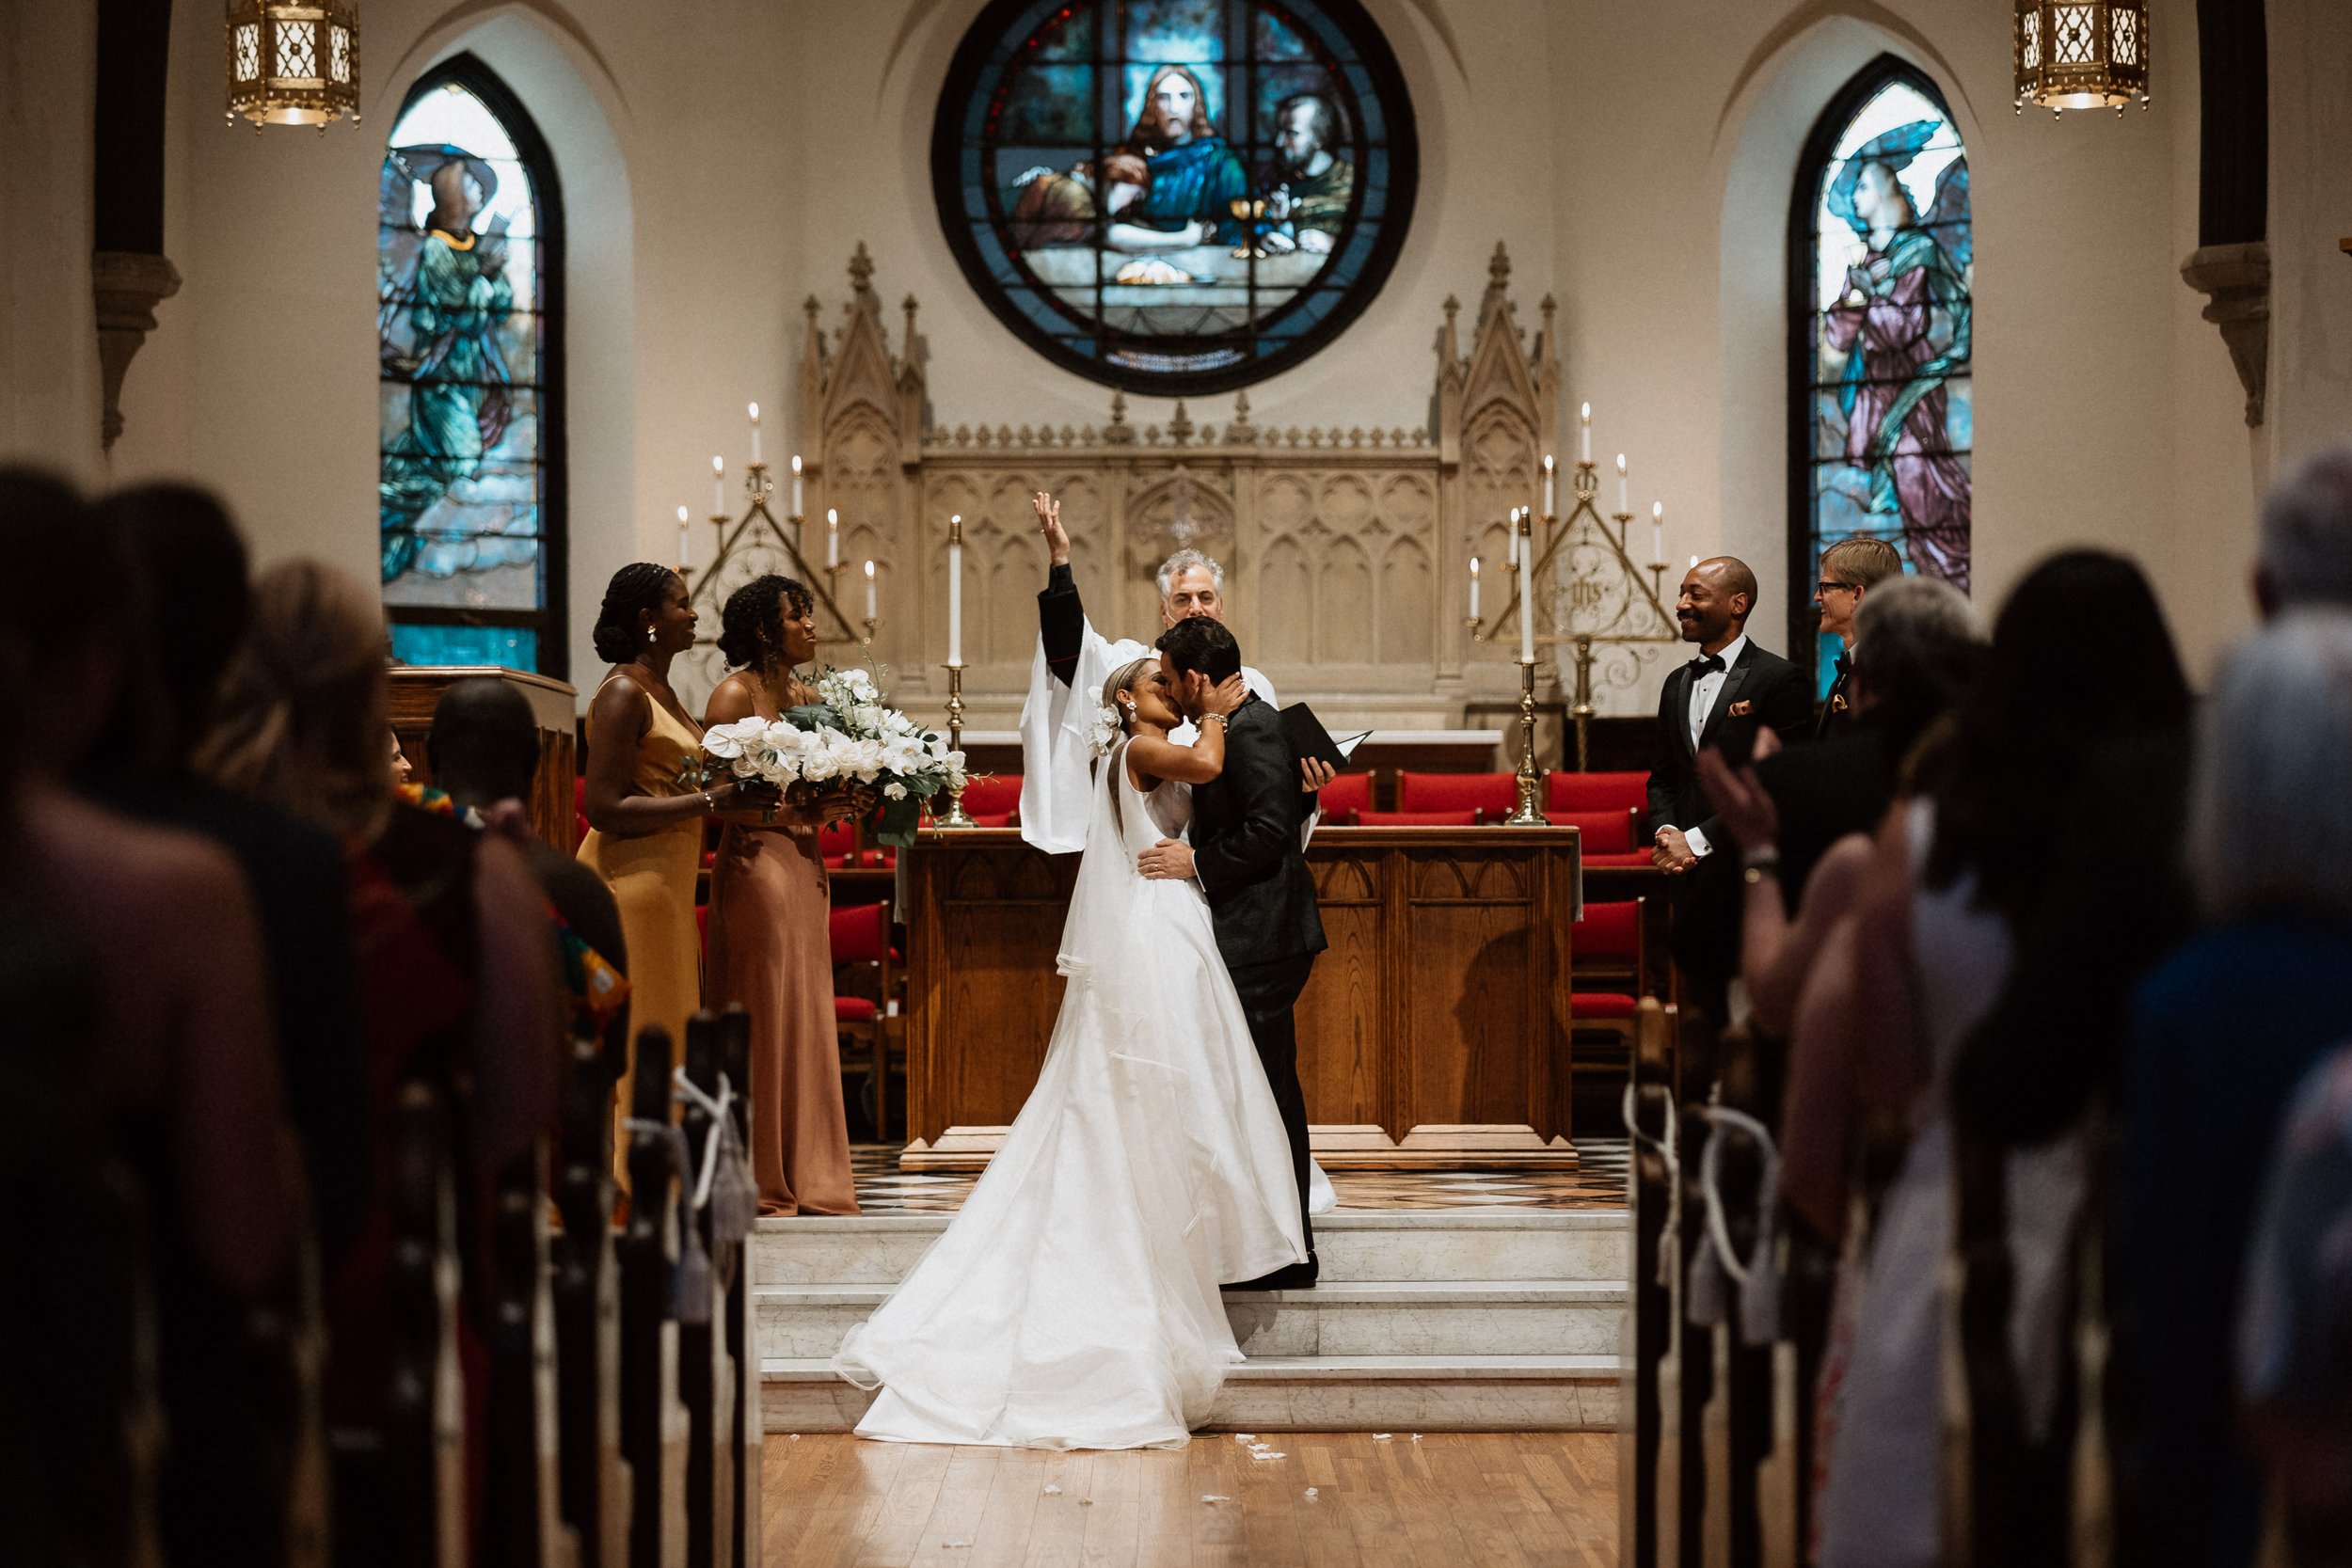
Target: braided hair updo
747,623
634,588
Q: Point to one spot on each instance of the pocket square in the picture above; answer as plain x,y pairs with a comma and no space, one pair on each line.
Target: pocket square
1740,709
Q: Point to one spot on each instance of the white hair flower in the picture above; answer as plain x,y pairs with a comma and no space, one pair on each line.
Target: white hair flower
1103,733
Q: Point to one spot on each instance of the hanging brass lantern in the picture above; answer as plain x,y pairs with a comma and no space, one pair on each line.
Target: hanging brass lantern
294,63
2082,54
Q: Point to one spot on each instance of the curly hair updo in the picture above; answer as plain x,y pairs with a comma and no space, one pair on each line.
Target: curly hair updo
634,588
747,623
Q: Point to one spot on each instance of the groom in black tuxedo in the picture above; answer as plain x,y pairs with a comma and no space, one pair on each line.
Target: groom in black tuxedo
1247,855
1723,698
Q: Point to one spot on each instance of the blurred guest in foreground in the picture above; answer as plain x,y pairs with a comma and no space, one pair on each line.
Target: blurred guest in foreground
180,1041
457,975
1959,873
2219,1034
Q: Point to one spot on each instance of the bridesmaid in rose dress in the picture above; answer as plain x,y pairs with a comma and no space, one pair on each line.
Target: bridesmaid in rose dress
768,903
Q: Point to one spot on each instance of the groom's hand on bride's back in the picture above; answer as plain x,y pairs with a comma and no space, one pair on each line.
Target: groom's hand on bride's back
1169,860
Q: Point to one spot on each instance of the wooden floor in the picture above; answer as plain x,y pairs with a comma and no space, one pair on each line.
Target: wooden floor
1448,1500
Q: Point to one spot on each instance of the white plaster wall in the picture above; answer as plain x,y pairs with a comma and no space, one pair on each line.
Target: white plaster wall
720,161
49,394
2310,209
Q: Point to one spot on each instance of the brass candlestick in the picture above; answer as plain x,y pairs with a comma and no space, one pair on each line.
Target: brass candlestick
956,817
1527,813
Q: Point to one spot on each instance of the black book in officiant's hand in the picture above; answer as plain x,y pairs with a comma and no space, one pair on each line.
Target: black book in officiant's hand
1309,739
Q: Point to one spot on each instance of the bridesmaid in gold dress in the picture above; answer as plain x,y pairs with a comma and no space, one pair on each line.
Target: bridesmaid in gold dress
768,903
645,827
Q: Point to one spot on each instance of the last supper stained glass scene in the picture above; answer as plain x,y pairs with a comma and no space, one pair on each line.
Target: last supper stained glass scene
1175,196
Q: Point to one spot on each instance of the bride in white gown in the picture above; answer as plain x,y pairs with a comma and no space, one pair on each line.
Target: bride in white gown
1073,1301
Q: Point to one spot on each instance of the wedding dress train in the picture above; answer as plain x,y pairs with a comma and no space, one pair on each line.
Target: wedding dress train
1073,1301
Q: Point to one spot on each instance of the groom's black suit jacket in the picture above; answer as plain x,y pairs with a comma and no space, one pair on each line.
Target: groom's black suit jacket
1246,849
1775,692
1706,901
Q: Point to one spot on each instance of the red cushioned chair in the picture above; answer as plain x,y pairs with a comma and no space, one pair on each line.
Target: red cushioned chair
1610,965
1611,838
837,843
1466,818
1494,794
580,811
1347,794
1566,791
862,960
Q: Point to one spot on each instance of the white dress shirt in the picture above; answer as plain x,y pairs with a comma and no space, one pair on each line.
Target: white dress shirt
1704,692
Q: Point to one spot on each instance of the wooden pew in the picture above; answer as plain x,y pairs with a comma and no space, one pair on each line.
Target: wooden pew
653,1426
521,1517
706,1377
746,1442
421,1474
593,1479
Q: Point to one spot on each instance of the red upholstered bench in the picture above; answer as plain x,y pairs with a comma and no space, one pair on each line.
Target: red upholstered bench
1566,791
1348,793
1609,836
1495,794
1467,818
1611,975
859,935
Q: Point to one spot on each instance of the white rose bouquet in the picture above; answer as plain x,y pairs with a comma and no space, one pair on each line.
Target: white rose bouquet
849,736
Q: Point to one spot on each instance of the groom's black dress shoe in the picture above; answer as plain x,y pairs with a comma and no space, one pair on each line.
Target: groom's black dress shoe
1290,1277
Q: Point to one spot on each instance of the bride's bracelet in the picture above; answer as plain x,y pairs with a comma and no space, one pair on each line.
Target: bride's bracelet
1217,716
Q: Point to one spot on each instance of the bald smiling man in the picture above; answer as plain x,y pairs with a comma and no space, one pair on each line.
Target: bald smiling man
1723,698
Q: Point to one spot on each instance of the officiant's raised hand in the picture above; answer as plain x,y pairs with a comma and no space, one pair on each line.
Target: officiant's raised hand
1049,524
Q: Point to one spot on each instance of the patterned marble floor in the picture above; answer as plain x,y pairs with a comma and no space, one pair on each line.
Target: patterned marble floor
883,1188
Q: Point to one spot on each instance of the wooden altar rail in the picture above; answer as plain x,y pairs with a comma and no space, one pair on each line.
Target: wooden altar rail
1435,1031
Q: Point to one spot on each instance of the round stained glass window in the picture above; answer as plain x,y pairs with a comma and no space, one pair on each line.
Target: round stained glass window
1175,196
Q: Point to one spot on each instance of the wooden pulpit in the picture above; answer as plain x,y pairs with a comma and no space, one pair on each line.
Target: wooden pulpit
417,690
1433,1034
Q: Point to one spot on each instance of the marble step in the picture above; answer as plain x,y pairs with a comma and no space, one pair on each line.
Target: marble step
1399,1394
1431,1246
1361,1318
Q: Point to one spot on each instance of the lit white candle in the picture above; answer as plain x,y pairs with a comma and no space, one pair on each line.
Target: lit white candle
1512,544
1473,588
1550,508
869,593
832,537
955,590
682,540
718,486
1657,531
796,484
1584,433
755,410
1527,593
1625,492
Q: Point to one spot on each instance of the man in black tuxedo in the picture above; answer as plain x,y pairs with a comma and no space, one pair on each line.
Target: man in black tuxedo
1247,855
1723,698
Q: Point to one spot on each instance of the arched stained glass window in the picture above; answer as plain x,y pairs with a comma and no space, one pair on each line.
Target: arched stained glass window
1175,196
1883,265
470,335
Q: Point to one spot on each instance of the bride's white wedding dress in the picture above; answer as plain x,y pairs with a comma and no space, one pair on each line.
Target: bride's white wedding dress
1073,1301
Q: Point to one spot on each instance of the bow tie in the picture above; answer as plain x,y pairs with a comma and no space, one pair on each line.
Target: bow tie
1711,665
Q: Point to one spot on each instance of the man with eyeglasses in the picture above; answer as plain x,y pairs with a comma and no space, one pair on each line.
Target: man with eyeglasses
1849,569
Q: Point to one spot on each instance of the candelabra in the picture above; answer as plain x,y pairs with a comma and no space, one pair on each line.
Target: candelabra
744,539
1608,601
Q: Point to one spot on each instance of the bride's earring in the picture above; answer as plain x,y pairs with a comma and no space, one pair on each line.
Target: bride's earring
648,634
